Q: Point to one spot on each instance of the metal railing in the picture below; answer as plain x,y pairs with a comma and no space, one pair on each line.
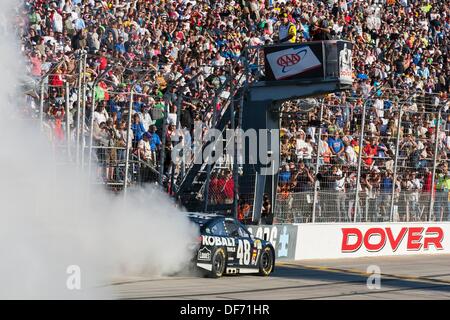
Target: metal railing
392,185
356,204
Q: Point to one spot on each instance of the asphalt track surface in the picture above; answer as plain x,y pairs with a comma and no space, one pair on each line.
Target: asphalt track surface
408,277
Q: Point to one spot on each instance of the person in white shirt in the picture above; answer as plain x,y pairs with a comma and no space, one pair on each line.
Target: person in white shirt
308,151
144,149
145,116
339,188
379,107
101,115
350,154
57,22
300,146
218,60
413,186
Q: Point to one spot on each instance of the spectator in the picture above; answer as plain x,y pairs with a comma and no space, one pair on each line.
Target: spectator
336,146
155,142
370,151
399,53
228,188
442,204
144,149
288,31
112,136
100,114
138,128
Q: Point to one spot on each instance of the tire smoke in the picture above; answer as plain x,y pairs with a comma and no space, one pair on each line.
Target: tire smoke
59,237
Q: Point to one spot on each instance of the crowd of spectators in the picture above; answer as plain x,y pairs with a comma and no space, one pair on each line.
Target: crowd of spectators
156,48
401,63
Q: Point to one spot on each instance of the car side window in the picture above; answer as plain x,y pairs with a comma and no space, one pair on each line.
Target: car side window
217,229
243,233
232,228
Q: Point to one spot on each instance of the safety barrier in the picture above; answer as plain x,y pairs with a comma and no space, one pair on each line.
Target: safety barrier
354,240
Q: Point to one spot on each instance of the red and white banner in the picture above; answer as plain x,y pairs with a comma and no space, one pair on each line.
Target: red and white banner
331,241
292,61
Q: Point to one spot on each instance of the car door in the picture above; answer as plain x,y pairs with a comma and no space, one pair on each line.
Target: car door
244,243
255,244
217,235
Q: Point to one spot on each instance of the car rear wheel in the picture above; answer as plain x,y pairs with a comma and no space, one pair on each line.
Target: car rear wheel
266,262
218,263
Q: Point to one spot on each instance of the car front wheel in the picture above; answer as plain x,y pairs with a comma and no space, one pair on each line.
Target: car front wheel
266,262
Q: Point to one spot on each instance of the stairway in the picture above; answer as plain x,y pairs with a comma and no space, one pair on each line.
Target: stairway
190,190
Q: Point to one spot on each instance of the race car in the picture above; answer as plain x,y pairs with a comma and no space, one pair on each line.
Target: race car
225,246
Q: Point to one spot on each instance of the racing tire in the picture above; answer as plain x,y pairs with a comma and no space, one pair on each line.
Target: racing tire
218,264
266,262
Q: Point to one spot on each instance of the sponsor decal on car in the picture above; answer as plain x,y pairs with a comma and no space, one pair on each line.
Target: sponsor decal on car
204,254
282,237
217,241
258,244
254,256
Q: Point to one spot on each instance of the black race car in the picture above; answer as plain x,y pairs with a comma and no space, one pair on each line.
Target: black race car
226,247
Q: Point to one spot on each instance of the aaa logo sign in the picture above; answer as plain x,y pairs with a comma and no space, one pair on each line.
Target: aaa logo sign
292,61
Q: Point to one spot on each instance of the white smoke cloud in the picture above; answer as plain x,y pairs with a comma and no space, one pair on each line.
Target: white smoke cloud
50,219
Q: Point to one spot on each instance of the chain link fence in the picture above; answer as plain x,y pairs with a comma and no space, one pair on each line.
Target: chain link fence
365,157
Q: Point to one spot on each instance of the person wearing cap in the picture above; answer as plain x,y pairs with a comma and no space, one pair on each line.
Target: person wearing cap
144,149
287,30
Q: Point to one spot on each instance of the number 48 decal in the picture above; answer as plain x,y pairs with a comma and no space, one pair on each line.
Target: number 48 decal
244,252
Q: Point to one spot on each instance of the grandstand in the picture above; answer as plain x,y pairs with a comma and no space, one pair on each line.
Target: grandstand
118,83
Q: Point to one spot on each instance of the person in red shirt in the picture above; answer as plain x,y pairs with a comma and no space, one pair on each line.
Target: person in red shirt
370,151
228,188
427,179
213,190
219,195
57,79
426,193
36,65
58,113
103,61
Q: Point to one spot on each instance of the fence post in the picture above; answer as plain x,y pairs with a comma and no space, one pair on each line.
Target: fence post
179,102
91,133
433,177
178,126
319,134
41,105
91,126
238,144
397,145
77,138
234,211
163,141
209,165
83,113
67,120
361,144
127,152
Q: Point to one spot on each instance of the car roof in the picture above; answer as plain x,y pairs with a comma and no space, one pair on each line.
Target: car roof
203,216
